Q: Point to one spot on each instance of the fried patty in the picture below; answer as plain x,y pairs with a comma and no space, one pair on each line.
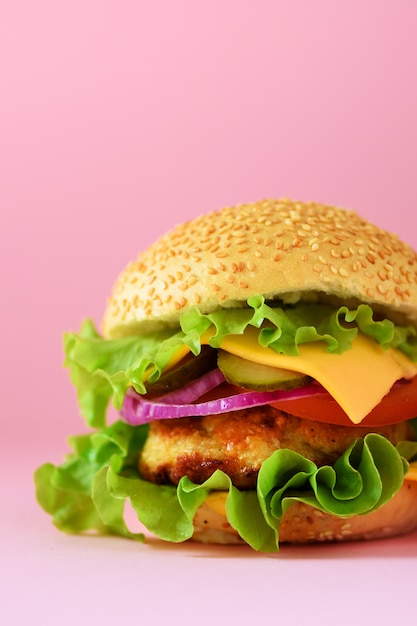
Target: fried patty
238,442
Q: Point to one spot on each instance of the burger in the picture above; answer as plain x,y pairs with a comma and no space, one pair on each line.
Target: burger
262,361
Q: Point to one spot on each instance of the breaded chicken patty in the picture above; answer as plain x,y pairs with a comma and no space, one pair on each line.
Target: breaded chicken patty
238,442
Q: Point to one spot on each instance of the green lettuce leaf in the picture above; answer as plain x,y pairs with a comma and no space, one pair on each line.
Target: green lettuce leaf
102,369
87,493
73,492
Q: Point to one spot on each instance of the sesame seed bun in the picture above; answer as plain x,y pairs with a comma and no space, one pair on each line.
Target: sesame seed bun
282,249
303,524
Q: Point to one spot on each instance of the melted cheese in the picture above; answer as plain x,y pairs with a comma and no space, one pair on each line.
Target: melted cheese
357,379
412,471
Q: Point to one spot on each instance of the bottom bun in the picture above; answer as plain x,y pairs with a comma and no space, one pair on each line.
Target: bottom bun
303,524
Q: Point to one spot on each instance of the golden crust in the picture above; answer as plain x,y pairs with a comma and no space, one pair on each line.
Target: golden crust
304,524
283,249
239,442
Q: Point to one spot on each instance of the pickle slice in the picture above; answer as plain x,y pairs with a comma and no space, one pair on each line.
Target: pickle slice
188,369
255,376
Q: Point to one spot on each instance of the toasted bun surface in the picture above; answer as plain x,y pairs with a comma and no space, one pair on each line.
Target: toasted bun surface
303,524
279,248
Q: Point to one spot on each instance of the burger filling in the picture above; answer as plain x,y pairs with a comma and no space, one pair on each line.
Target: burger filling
239,442
320,411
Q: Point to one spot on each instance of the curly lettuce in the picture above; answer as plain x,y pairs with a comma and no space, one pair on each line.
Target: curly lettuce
88,492
103,369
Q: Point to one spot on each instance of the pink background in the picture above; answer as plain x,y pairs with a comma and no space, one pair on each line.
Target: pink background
118,120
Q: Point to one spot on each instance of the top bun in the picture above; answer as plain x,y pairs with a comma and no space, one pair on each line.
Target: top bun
285,250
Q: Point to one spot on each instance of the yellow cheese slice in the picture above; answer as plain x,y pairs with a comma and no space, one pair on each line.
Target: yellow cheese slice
412,471
357,379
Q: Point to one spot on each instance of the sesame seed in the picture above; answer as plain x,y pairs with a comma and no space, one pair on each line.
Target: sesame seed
389,266
382,275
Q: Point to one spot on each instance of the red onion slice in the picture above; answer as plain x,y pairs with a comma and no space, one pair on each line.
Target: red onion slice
137,410
195,390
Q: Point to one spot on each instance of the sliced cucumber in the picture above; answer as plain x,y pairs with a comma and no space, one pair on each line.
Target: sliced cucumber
188,369
249,375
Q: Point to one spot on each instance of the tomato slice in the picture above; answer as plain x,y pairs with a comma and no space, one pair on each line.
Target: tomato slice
399,405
